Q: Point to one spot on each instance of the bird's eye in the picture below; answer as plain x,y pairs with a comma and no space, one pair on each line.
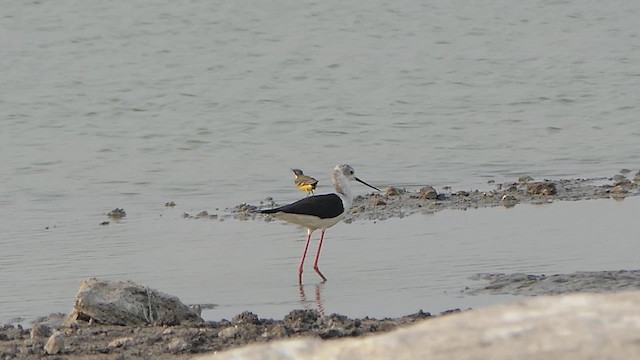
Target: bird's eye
350,172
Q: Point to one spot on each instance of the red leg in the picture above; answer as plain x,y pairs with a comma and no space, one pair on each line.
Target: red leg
304,254
315,262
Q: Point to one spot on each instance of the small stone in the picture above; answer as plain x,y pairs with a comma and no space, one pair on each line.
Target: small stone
121,342
542,188
229,332
170,204
168,331
332,333
525,179
378,202
177,345
462,193
509,201
624,171
301,319
278,331
245,317
55,344
10,332
117,213
104,223
245,208
618,178
428,192
40,331
394,191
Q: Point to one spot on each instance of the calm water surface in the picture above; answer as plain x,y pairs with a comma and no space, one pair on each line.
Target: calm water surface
208,104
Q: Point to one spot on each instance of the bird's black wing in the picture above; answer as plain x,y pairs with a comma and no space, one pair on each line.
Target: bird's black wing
323,206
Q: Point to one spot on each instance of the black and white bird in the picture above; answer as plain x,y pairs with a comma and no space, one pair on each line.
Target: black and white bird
320,212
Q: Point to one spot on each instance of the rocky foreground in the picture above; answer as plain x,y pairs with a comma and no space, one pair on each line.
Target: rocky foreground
123,320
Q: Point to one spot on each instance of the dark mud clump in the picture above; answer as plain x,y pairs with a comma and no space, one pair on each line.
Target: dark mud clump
92,340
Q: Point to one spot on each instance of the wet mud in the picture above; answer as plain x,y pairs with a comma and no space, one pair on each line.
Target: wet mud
534,285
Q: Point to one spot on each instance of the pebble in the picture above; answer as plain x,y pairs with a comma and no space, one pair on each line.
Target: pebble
121,342
245,317
230,332
618,178
177,345
55,344
525,179
117,213
394,191
276,332
40,331
428,192
542,188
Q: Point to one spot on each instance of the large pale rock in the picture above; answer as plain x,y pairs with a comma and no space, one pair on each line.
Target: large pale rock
576,326
128,303
55,344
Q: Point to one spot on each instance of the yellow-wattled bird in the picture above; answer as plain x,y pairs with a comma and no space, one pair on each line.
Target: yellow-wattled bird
304,182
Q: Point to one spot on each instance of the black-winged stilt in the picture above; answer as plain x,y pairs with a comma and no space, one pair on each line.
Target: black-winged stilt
320,212
304,182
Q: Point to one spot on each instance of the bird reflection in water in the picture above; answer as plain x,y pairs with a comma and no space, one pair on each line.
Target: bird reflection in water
318,299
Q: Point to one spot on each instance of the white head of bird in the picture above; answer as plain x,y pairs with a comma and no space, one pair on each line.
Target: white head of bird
342,175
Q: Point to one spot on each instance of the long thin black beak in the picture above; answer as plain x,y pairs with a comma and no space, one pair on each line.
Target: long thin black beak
362,182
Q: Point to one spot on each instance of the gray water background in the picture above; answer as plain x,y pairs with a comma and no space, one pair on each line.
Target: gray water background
132,104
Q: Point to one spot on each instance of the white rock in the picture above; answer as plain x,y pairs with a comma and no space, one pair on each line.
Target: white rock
128,303
568,327
55,344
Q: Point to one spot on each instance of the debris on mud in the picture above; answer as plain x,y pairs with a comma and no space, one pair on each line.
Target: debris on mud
117,213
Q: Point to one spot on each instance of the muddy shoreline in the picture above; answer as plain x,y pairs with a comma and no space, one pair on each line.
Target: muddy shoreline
396,202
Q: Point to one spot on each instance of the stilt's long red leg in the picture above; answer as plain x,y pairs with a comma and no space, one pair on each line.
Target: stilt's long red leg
315,262
304,254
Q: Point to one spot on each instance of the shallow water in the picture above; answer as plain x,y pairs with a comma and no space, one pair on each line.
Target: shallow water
209,104
387,268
